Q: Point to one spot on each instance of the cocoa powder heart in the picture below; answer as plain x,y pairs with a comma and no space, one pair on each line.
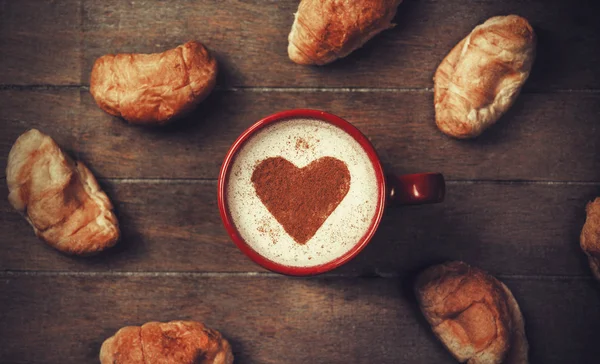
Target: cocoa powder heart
301,199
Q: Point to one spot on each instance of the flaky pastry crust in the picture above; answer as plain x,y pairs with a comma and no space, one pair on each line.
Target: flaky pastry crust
325,30
59,197
474,315
482,76
175,342
154,88
590,236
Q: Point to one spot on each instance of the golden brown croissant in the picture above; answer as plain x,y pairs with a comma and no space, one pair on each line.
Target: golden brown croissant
590,236
59,197
325,30
153,88
481,77
474,315
175,342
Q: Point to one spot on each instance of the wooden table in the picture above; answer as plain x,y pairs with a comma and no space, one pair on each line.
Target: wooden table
515,196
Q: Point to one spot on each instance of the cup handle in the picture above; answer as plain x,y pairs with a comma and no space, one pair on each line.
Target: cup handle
415,189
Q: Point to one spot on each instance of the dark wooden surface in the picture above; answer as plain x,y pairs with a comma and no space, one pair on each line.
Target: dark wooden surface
544,137
275,319
515,202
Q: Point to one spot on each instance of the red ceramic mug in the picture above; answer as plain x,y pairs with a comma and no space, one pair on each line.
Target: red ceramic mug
390,190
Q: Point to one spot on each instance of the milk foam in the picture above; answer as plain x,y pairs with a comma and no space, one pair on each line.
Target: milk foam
302,141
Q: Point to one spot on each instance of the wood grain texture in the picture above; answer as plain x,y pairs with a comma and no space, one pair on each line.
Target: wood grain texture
64,319
41,42
512,229
176,261
250,39
44,41
548,137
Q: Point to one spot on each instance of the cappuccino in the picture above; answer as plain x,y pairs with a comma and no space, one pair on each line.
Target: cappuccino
302,192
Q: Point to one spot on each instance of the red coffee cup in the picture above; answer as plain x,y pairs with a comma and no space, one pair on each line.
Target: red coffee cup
409,189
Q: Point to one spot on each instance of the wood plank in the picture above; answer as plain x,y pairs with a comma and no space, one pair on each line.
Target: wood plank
544,137
41,42
514,229
250,40
164,228
64,319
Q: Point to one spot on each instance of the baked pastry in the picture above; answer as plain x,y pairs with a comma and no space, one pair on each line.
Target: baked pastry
481,77
474,315
590,236
59,197
325,30
153,88
175,342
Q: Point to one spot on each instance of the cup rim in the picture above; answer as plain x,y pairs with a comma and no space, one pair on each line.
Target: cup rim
226,168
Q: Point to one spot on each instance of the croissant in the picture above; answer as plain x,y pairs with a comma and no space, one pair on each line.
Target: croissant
481,77
175,342
590,236
153,88
59,197
474,315
325,30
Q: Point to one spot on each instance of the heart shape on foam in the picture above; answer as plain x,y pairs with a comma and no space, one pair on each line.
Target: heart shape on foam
301,199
